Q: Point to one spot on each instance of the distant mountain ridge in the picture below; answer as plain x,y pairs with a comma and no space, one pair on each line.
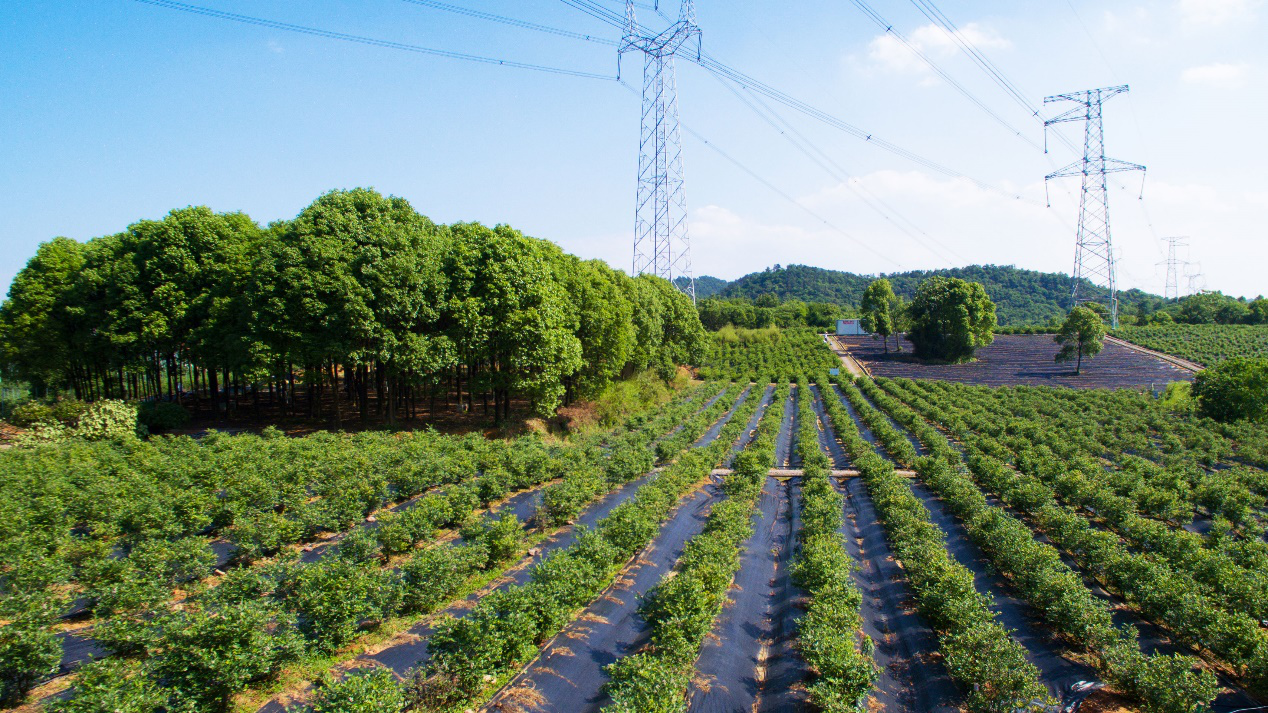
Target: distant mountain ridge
1020,296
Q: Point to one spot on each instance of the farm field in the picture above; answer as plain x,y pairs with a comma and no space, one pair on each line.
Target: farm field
1022,359
1206,344
800,544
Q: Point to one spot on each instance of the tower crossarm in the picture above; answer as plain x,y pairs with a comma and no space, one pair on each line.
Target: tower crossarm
1113,165
1087,95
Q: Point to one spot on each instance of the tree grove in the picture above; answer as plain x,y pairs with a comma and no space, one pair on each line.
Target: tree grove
359,292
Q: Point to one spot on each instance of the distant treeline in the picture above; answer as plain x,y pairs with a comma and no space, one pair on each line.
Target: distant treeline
1021,297
768,311
358,292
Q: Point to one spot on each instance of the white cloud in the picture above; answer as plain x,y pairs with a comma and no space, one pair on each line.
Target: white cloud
1221,75
968,224
1215,12
886,52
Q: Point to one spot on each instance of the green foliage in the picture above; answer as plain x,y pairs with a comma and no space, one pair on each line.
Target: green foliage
112,685
829,635
680,611
208,656
950,319
108,420
1236,389
767,311
1082,334
1021,296
335,597
373,691
160,416
358,287
766,355
66,412
1206,344
877,307
979,652
1200,591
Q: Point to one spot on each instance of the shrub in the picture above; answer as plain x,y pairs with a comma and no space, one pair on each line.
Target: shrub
1236,389
28,653
108,421
116,685
373,691
333,598
208,656
65,411
160,416
432,576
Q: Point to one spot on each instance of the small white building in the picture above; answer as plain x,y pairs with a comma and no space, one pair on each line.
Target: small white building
850,328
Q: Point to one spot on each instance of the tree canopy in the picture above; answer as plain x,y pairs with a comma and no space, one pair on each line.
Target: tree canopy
1021,297
1082,334
359,289
950,319
878,309
1236,389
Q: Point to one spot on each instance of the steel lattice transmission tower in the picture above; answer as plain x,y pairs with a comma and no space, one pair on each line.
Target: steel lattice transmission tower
1172,290
1093,252
662,245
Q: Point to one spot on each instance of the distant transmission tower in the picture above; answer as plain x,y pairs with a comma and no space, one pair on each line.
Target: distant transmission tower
1197,283
1093,252
661,243
1172,290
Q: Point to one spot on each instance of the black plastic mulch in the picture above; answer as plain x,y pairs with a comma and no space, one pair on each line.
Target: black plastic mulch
749,662
568,675
911,678
747,437
784,452
1014,359
827,440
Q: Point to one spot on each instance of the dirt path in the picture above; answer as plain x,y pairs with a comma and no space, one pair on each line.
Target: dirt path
851,365
1177,361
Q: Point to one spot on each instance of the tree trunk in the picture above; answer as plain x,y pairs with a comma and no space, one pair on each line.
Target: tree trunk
334,380
1078,365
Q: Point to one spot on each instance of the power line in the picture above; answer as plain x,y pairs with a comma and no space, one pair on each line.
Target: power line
708,62
358,39
773,188
801,143
523,24
889,29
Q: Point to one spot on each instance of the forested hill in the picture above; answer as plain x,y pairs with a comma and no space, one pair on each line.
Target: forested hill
1020,296
705,286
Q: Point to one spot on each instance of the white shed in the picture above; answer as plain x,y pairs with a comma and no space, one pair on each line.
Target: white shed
850,328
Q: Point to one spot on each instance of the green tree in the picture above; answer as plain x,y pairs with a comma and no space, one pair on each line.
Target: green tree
1257,311
950,319
509,313
1082,334
877,307
603,323
40,334
1236,389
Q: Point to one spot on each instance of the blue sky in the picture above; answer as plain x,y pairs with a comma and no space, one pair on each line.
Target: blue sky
115,110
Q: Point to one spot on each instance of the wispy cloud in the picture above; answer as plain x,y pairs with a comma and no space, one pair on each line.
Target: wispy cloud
1220,75
886,52
1216,12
